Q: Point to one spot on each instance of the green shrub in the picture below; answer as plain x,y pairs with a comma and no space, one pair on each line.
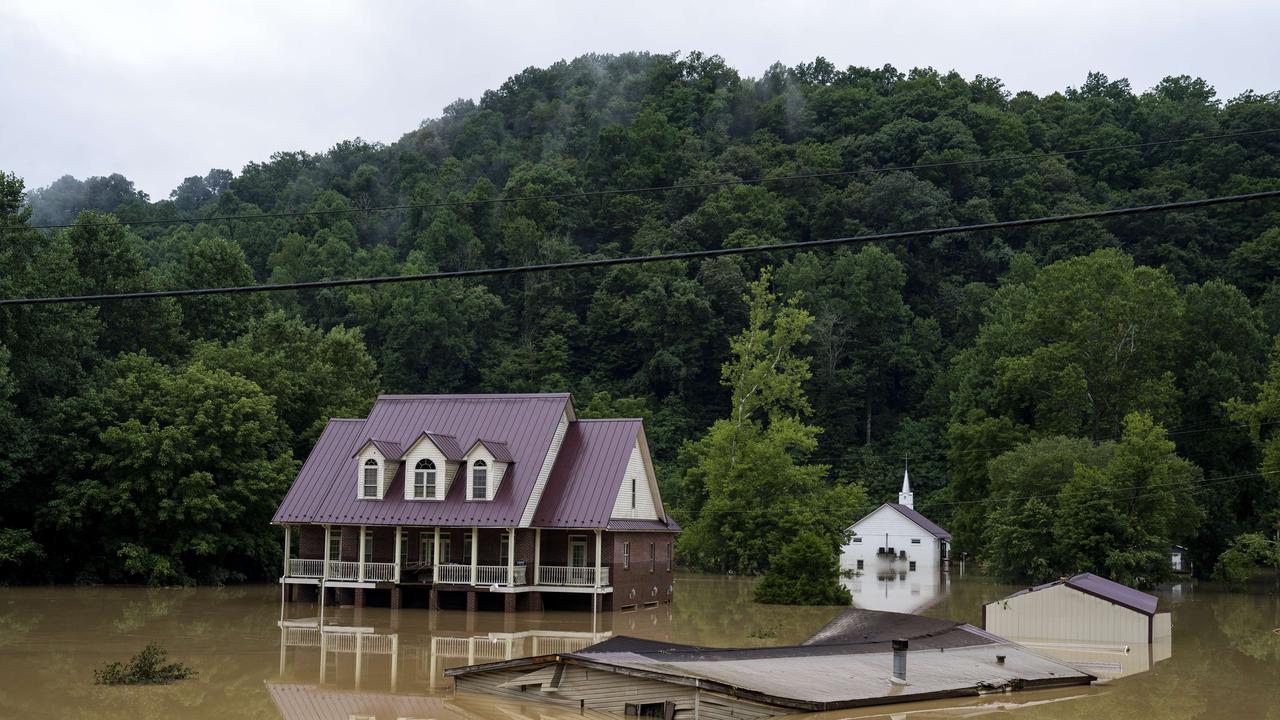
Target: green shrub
804,572
146,668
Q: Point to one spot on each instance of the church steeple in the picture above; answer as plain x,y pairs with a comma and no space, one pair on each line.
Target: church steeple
904,497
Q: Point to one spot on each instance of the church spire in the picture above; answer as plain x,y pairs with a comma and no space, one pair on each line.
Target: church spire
904,497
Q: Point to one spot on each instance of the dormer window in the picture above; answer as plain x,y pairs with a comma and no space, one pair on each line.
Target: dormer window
369,487
479,480
424,479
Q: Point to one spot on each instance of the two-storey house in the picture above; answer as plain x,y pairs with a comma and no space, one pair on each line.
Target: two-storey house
478,500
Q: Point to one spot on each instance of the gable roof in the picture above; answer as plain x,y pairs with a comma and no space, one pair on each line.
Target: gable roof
446,444
585,481
911,514
1100,587
324,491
389,450
498,450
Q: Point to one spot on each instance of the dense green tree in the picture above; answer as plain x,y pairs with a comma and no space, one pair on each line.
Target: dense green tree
747,486
805,571
171,475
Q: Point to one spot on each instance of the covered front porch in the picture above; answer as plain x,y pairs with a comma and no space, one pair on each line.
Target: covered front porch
495,559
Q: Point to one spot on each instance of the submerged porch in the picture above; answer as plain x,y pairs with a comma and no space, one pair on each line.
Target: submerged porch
511,560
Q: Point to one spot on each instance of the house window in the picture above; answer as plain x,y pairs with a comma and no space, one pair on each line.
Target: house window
479,480
859,564
504,554
335,546
466,548
911,565
633,493
578,550
446,549
404,548
424,479
649,710
653,558
670,557
368,546
369,488
626,556
915,541
426,550
857,540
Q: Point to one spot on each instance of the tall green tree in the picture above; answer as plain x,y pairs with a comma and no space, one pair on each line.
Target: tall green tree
748,486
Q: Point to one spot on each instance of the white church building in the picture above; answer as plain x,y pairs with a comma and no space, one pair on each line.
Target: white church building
895,539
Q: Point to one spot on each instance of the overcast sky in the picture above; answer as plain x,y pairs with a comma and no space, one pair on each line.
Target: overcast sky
162,90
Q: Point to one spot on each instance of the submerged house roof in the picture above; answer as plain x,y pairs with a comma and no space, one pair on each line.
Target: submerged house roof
517,430
1101,587
847,664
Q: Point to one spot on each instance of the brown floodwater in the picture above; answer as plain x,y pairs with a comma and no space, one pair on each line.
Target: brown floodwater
379,663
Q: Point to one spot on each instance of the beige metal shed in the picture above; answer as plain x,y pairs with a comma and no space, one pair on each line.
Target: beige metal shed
1084,608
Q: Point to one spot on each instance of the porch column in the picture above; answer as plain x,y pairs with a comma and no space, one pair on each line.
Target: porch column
435,559
361,558
325,572
598,563
475,555
396,576
511,557
537,555
287,538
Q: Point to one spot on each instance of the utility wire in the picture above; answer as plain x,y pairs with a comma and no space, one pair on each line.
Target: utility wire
660,188
643,259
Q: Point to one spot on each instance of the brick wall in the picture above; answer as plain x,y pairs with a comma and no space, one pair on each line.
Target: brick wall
310,542
638,584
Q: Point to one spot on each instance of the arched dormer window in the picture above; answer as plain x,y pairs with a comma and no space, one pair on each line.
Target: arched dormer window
479,480
369,487
424,479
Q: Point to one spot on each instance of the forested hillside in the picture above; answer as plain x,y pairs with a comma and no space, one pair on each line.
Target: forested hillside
1071,396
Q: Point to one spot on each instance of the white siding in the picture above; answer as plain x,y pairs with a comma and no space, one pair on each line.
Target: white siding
872,531
644,507
496,471
386,471
425,449
547,463
1064,614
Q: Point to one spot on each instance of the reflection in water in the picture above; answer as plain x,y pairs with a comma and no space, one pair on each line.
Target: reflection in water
894,589
1225,659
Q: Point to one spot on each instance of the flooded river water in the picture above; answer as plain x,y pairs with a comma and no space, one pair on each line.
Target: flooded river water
379,663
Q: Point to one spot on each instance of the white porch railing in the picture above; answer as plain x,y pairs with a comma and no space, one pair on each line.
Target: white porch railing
306,568
485,575
339,570
380,572
451,574
575,576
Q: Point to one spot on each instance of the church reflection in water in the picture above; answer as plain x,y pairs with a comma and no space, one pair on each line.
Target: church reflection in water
897,590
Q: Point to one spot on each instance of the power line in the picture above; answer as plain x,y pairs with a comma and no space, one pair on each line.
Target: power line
657,188
644,259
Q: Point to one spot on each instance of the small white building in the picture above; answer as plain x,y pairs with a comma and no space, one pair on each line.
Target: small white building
1084,608
894,538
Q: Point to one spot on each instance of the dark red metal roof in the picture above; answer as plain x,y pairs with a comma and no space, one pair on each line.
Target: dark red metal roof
448,445
588,473
628,524
497,449
925,523
325,489
389,450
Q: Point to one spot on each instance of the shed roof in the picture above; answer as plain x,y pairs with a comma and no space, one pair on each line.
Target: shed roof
324,491
952,660
587,476
925,523
1101,587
